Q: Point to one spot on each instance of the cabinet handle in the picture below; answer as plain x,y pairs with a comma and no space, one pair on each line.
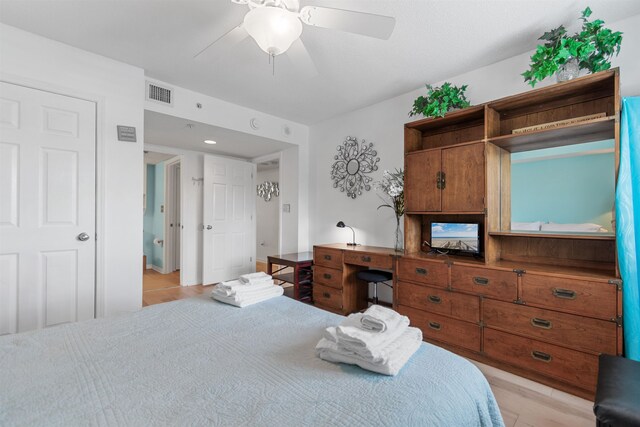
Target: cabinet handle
366,259
482,281
441,180
421,271
327,276
326,294
543,357
435,299
327,257
541,323
435,326
564,293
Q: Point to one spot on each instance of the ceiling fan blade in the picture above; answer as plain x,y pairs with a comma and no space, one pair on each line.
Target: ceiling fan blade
367,24
225,41
301,60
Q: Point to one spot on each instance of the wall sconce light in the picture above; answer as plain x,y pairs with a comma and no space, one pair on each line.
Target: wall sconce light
341,224
268,189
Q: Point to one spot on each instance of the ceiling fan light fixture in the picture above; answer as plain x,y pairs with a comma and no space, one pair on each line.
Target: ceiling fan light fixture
273,28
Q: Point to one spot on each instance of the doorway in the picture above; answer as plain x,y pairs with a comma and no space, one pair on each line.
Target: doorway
267,210
162,222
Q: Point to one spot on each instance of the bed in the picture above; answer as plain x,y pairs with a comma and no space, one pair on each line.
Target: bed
201,362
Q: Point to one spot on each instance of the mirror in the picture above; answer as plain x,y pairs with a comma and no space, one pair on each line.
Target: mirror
563,190
353,167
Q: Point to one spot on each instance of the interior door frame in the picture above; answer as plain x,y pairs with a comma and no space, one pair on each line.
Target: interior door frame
169,190
266,158
100,167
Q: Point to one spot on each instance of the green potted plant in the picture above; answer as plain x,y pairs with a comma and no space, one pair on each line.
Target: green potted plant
590,49
439,100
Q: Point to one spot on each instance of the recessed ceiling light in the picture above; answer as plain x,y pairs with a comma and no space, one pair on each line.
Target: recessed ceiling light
209,141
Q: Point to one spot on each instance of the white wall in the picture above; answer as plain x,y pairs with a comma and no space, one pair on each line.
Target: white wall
382,124
267,218
295,236
118,90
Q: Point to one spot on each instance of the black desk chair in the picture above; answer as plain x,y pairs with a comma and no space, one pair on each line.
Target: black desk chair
617,402
375,277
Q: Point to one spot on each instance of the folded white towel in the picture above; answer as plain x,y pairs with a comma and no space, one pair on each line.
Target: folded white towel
274,291
378,318
400,352
227,289
368,344
253,276
258,281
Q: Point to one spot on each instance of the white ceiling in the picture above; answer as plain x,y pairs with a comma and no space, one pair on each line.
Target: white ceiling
170,131
433,40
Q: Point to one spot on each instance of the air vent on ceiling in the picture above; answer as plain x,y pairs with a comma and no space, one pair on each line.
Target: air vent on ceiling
159,94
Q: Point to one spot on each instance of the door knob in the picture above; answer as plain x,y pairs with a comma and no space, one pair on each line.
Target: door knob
83,237
209,227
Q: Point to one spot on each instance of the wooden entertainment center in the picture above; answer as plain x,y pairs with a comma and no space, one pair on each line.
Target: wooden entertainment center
541,305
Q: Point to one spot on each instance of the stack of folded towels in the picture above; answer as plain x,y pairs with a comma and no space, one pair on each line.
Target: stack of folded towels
379,340
248,289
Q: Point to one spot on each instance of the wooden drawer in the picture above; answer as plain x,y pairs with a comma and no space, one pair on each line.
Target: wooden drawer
325,295
594,299
581,333
368,260
430,273
327,276
496,284
445,329
437,300
574,367
327,257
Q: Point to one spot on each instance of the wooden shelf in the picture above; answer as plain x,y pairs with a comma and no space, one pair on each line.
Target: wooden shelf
452,118
555,235
593,130
446,213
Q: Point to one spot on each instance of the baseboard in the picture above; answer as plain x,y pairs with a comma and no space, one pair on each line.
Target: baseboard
156,268
149,266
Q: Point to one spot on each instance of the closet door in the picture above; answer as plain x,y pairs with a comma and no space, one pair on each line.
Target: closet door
47,209
421,187
229,234
463,169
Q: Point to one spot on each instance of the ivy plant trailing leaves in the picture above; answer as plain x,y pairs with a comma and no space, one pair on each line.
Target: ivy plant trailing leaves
593,47
439,100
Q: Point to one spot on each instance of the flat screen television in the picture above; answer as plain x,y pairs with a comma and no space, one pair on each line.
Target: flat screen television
455,236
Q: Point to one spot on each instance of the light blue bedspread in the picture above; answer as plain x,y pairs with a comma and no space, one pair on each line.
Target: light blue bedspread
200,362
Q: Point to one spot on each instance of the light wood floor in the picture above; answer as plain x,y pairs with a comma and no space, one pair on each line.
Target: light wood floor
152,280
523,403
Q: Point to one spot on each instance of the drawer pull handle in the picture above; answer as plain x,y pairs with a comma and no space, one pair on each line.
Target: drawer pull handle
482,281
421,271
326,294
435,326
327,257
564,293
543,357
327,276
541,323
435,299
366,259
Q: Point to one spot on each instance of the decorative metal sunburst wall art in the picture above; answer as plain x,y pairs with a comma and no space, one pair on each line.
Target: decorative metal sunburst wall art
268,189
352,165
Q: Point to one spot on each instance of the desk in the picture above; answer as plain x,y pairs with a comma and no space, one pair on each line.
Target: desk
301,276
335,285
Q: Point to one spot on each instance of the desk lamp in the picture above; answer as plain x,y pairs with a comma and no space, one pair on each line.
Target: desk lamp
341,224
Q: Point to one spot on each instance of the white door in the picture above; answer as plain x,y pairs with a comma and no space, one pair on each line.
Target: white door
47,209
229,232
172,216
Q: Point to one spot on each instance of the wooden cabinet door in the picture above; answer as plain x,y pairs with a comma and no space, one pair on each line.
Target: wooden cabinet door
421,191
464,178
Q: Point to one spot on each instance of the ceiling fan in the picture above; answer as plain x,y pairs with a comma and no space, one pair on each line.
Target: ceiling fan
276,26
